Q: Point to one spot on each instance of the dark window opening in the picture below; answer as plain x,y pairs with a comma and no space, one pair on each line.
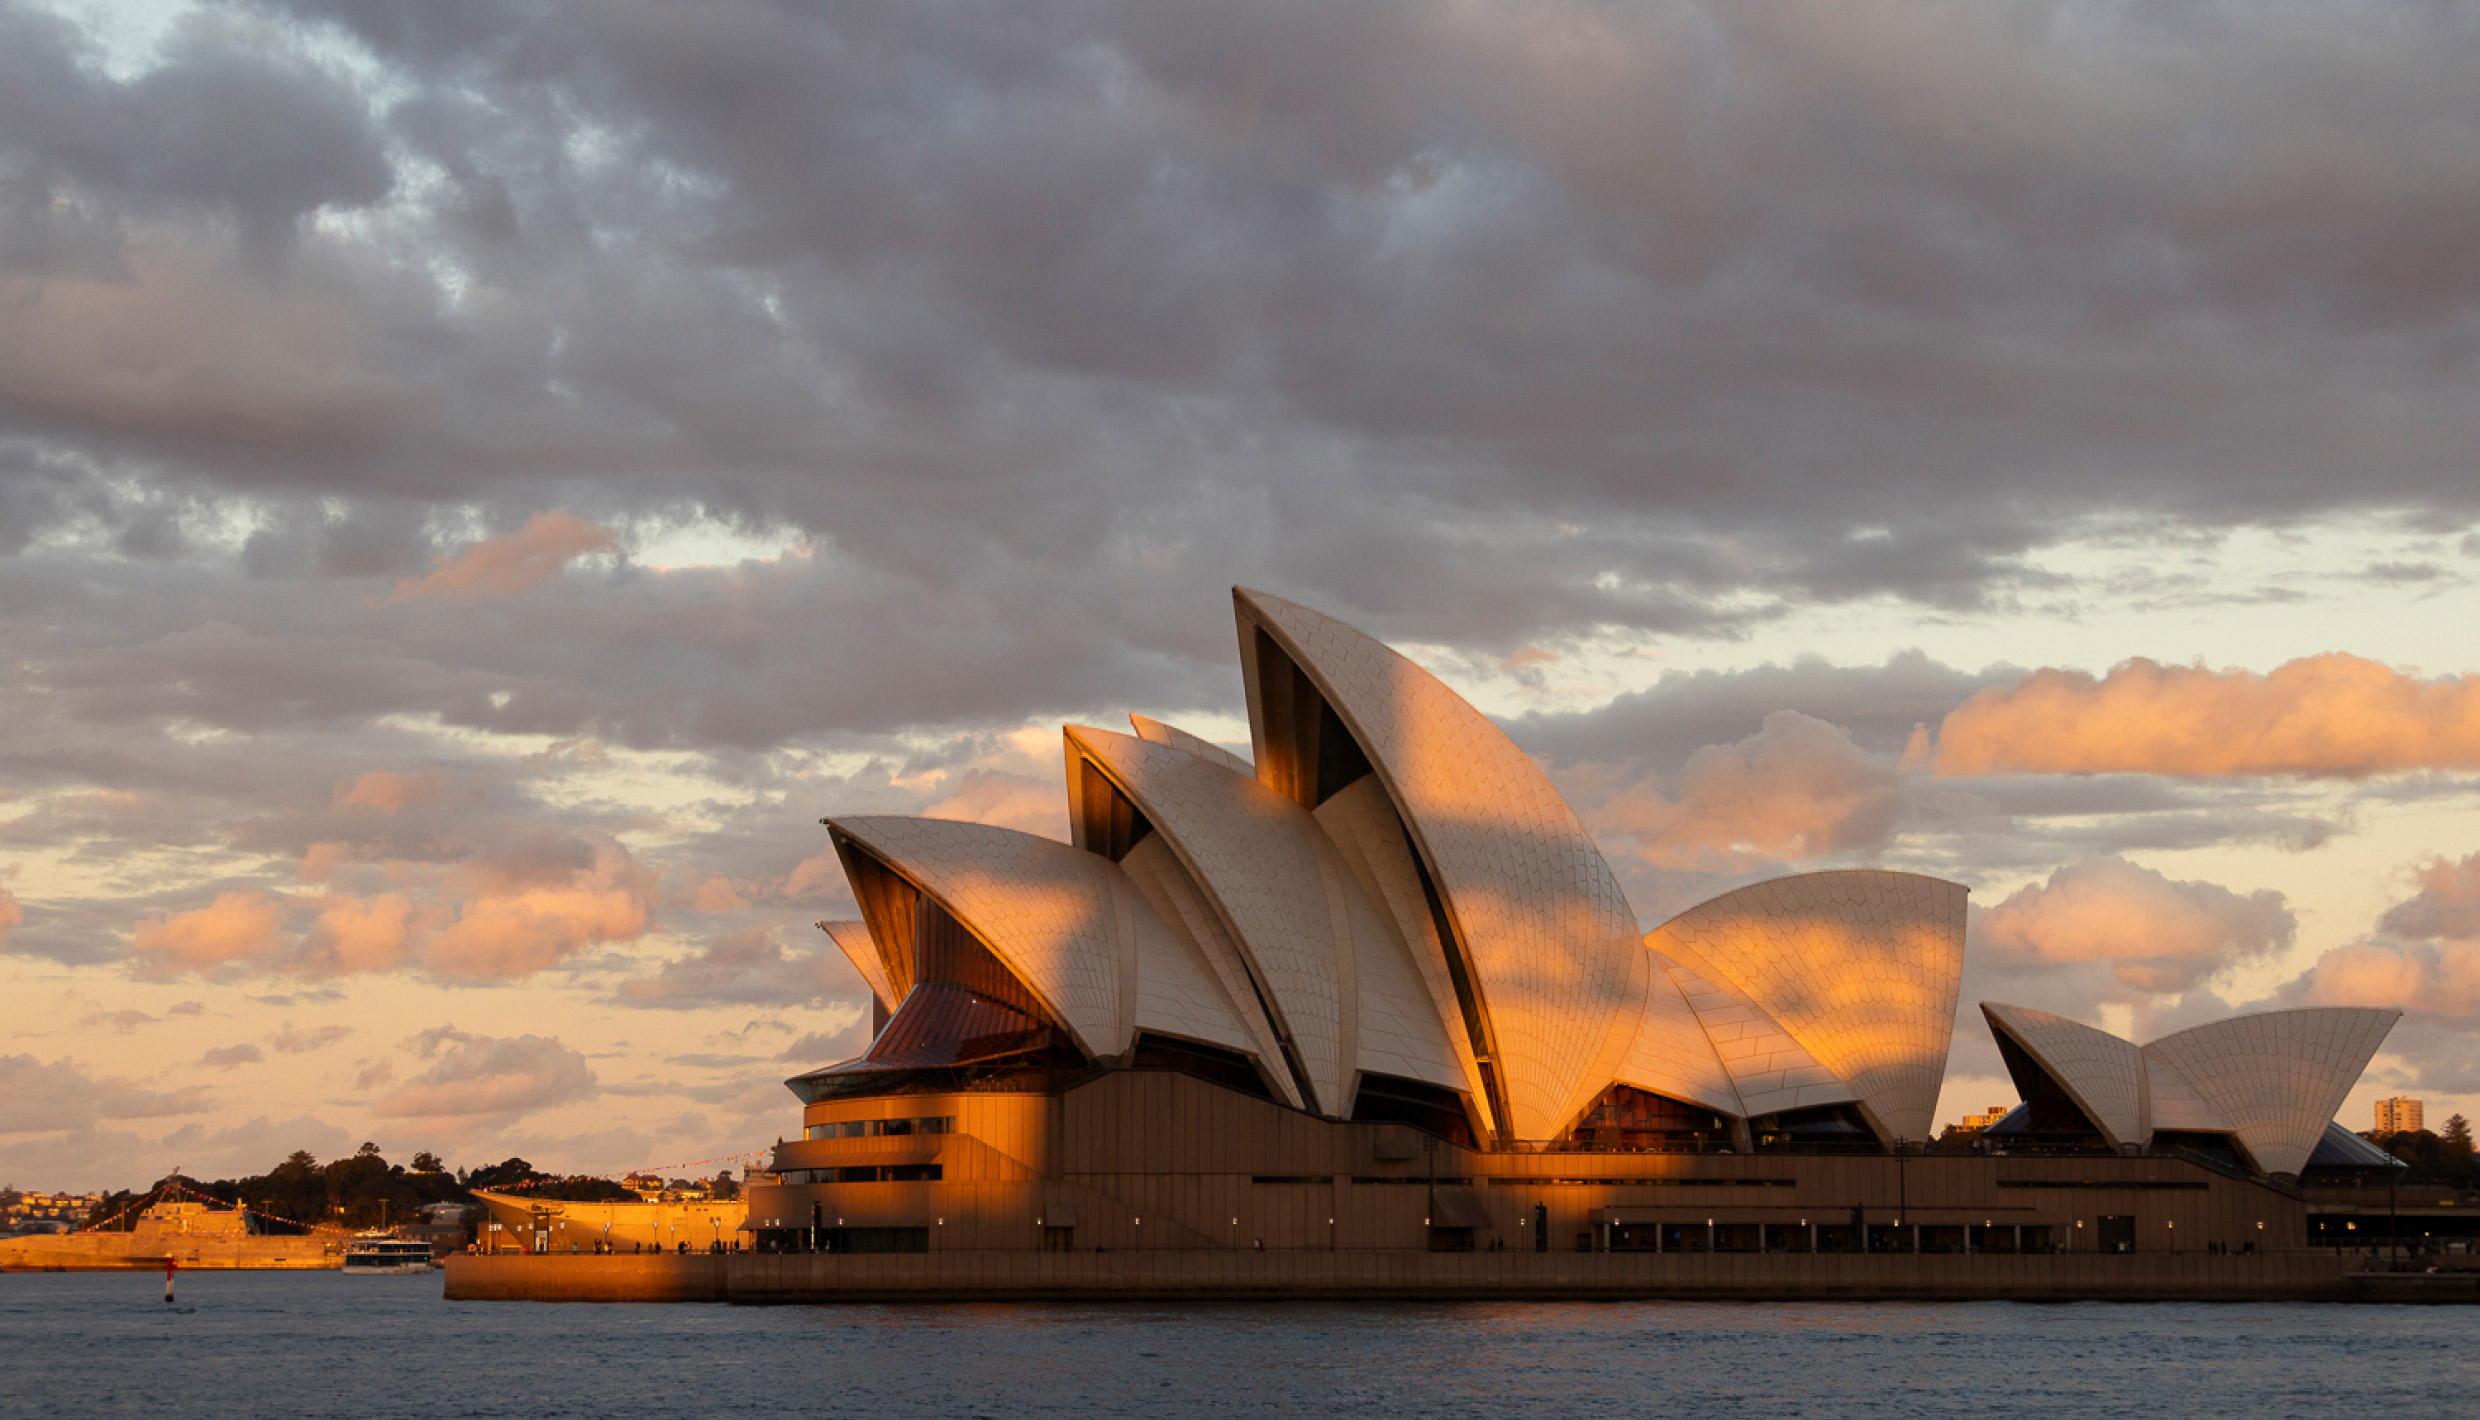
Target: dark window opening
2048,1114
1835,1127
1384,1099
874,1240
1451,1240
965,1005
1046,1071
1629,1118
1230,1069
864,1173
2221,1149
1311,755
1340,762
1109,822
1459,974
1059,1239
2116,1232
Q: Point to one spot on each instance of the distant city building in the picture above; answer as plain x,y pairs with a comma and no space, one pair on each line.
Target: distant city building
2398,1116
1985,1118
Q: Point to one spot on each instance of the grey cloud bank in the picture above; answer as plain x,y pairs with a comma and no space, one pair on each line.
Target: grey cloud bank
355,355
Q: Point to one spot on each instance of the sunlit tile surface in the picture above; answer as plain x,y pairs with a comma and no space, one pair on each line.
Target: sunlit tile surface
2278,1077
2102,1073
1861,968
1551,938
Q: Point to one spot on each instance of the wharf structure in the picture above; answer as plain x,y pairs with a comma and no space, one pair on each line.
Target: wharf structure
1368,1014
520,1222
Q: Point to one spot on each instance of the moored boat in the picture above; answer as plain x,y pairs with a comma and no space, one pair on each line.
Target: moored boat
372,1256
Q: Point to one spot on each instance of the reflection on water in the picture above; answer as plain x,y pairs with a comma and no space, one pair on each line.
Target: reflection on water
248,1344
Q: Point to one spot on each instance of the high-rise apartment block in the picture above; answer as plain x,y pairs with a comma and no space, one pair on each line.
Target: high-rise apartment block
2398,1116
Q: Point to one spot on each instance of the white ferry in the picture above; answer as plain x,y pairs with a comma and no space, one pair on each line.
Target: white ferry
388,1256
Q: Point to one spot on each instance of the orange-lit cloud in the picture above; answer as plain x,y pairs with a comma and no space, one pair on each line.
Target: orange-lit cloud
2442,978
2334,714
484,920
2155,933
1004,800
355,934
515,929
1797,789
506,565
388,791
717,893
243,926
2447,904
2428,958
293,1040
36,1098
480,1076
10,913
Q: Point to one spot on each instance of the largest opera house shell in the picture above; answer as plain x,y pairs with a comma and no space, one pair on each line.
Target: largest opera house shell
1391,914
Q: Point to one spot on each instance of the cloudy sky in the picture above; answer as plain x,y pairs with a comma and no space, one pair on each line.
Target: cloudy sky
478,480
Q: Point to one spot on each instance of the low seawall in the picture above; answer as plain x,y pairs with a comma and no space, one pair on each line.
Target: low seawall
120,1252
759,1278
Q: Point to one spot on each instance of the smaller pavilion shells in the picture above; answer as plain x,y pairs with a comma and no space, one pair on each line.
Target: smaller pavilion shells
2271,1080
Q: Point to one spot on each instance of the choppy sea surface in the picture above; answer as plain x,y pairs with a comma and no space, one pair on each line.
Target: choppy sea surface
322,1344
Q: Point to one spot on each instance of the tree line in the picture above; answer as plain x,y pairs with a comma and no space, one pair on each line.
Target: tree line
2443,1156
360,1190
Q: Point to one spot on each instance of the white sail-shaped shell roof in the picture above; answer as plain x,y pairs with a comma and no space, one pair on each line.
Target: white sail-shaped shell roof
1156,732
1255,853
1157,872
2103,1074
2172,1103
2273,1080
2278,1077
854,941
1861,968
1769,1071
1363,826
1340,986
1549,936
1043,908
1070,925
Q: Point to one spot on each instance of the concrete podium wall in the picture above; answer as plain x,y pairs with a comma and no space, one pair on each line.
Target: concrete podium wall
1190,1274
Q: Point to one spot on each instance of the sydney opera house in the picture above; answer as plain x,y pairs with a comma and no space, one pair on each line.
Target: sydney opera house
1376,988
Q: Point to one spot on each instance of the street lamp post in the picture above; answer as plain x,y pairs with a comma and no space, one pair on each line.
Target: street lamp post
1902,1191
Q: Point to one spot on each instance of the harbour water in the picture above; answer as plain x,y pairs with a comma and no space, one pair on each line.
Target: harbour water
324,1344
